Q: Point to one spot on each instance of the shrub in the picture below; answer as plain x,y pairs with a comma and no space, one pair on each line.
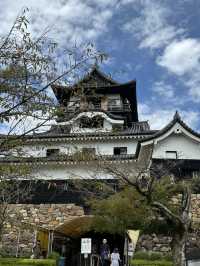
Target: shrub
26,262
144,255
54,255
137,262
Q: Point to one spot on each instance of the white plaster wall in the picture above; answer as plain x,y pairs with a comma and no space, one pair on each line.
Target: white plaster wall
185,147
79,171
62,172
103,148
34,151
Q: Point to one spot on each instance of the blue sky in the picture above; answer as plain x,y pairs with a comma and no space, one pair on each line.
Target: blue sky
156,42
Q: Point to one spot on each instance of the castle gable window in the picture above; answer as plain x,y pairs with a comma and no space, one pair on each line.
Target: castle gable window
94,122
52,152
120,150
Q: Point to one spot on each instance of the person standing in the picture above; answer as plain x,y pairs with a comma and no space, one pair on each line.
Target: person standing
105,253
115,258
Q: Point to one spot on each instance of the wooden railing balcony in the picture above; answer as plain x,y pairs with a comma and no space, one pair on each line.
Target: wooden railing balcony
98,107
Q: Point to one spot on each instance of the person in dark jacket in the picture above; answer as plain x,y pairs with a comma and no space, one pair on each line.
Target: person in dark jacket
105,253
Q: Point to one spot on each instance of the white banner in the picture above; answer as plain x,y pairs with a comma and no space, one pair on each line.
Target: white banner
86,245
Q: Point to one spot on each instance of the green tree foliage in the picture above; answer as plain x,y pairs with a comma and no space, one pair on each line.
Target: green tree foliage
28,67
121,211
155,202
26,63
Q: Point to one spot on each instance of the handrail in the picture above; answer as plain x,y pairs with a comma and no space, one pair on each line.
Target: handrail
98,107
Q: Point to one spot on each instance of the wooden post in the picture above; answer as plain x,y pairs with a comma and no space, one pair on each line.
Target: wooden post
49,245
52,238
18,237
50,242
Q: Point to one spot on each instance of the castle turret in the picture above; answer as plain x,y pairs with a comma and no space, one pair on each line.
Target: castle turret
96,98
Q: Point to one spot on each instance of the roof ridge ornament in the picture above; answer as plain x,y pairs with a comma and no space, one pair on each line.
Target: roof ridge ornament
95,65
177,116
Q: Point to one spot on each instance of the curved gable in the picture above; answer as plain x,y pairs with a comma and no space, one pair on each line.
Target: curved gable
91,115
175,141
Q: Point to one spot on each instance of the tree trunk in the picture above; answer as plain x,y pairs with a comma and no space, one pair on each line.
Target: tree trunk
178,248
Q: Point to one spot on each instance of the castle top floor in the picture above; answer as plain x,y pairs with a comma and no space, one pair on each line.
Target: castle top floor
97,92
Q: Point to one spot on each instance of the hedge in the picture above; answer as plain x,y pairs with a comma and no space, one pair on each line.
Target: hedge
137,262
26,262
144,255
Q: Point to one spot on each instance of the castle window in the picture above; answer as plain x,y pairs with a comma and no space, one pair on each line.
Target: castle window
114,100
74,102
171,154
52,152
120,150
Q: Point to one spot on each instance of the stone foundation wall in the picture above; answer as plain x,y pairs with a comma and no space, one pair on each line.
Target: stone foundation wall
161,243
47,216
24,219
155,243
196,210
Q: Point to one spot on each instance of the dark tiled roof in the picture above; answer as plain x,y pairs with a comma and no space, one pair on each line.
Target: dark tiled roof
94,79
97,77
138,128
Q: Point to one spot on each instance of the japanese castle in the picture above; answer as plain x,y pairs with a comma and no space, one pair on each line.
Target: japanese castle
100,124
103,124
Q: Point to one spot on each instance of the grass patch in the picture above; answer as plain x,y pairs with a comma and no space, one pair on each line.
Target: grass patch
26,262
140,262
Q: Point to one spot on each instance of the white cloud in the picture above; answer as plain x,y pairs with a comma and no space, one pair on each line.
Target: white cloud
151,26
181,57
193,83
163,90
69,21
157,118
160,37
179,54
169,95
160,118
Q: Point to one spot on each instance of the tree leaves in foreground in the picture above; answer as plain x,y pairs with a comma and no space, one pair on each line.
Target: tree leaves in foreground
121,211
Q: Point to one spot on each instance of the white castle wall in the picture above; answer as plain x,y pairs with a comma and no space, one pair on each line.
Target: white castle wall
62,172
185,147
102,148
